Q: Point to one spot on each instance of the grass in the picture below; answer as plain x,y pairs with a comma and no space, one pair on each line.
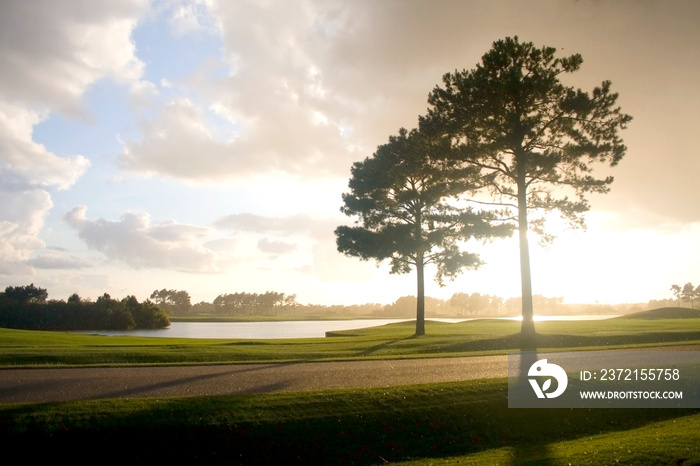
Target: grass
465,423
450,423
671,442
32,348
665,313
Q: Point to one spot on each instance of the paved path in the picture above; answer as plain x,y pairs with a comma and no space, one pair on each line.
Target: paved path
44,385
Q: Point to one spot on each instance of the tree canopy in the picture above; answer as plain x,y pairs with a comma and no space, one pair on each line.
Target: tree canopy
687,293
26,294
400,196
172,300
29,309
534,138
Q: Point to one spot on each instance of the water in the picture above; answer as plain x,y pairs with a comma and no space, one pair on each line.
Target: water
285,329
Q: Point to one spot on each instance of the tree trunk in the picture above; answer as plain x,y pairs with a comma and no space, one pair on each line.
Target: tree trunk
420,296
527,329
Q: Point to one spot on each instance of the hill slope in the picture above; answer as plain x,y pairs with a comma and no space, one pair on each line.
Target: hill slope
665,313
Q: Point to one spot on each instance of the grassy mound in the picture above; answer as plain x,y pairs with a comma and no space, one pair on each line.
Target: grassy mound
665,313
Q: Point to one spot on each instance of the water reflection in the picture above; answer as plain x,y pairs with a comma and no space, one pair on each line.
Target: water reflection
284,329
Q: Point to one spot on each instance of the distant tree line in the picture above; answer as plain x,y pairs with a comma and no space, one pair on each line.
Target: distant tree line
172,301
478,305
687,293
178,303
270,303
27,307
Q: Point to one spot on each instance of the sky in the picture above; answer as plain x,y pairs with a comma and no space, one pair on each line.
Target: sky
204,145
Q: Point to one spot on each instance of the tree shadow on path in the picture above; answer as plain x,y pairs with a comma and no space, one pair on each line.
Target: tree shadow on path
384,345
536,451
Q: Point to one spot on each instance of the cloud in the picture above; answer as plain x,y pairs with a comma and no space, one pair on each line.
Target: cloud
21,218
55,259
275,247
26,164
27,170
311,86
304,224
314,86
140,244
53,51
321,259
51,54
190,143
191,16
274,98
181,144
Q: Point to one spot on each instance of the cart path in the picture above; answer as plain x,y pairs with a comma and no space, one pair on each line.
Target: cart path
48,385
67,384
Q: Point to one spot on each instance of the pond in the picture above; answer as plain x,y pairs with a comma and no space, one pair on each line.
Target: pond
284,329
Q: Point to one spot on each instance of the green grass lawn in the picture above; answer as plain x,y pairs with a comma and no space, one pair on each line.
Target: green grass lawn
26,348
451,423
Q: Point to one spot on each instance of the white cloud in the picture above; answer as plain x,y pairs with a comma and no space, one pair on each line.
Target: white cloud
180,144
21,218
27,170
51,54
321,259
275,247
191,16
275,98
55,259
140,244
23,162
294,224
316,85
185,142
53,51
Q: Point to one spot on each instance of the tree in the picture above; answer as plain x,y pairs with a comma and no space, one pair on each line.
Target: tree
146,315
172,300
26,294
472,305
533,136
689,294
114,314
677,292
290,303
400,195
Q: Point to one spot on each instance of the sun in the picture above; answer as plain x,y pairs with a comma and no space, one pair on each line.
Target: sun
581,265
